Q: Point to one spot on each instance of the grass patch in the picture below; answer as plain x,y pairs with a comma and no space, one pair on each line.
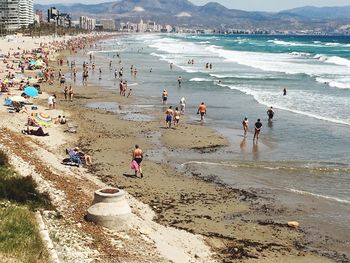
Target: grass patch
20,240
19,235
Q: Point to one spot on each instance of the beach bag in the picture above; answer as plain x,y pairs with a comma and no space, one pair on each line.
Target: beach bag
134,166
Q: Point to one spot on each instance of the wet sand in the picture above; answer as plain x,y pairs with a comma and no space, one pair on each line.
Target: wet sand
195,204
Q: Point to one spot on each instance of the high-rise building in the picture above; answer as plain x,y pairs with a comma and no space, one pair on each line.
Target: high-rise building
87,23
16,13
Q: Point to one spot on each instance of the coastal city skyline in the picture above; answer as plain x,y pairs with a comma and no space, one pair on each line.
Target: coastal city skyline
184,131
249,5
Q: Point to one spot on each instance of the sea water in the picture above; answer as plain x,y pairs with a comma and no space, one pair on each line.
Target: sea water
303,151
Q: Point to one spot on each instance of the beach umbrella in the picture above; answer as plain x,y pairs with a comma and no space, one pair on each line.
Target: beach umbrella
42,119
31,91
17,98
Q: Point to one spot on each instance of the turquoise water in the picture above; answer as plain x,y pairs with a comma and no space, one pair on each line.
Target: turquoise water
312,122
302,157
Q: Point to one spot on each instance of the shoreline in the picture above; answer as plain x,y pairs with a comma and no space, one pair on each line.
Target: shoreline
110,177
177,200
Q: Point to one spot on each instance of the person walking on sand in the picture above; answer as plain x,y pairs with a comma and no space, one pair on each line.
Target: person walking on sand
270,113
245,124
164,96
137,156
182,105
177,114
65,91
202,110
258,126
169,116
70,93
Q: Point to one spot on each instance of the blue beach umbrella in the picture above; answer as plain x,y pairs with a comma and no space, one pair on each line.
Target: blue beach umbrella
31,91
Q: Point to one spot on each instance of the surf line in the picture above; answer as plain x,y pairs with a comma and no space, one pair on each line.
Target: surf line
318,195
208,163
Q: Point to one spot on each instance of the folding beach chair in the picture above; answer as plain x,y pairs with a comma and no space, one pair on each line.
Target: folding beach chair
74,159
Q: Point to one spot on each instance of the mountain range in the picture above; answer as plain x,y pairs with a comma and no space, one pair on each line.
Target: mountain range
183,12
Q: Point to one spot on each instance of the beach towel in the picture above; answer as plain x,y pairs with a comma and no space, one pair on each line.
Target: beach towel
135,166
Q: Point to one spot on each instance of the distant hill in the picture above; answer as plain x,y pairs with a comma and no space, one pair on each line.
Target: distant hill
321,13
183,12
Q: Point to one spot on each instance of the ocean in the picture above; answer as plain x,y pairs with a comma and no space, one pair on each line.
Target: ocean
303,153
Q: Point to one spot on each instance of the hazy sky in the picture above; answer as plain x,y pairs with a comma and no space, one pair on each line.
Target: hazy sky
252,5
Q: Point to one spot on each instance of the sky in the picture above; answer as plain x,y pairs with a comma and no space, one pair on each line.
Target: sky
250,5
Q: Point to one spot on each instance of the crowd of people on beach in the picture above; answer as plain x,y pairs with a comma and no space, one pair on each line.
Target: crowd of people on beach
47,74
23,73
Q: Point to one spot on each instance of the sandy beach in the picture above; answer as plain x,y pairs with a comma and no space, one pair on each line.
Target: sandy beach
177,217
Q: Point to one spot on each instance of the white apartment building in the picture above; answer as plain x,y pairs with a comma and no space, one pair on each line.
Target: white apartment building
87,23
16,13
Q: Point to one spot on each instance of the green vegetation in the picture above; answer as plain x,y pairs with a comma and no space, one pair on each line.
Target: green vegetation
19,236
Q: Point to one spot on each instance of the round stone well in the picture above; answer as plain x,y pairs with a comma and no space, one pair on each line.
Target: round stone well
110,209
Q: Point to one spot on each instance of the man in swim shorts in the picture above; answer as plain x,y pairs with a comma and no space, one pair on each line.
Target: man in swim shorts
137,156
258,126
169,116
164,96
202,110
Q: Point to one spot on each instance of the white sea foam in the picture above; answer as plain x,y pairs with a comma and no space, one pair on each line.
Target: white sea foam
109,51
292,44
332,70
248,76
200,80
318,106
300,54
339,83
318,195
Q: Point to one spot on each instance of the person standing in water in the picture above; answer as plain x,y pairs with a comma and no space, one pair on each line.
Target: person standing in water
284,92
137,156
182,105
270,113
258,126
202,110
245,124
164,96
179,81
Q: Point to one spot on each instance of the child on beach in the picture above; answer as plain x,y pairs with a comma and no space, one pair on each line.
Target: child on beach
129,93
245,124
202,110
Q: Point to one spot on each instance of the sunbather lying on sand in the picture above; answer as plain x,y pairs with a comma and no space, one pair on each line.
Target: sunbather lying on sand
38,132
